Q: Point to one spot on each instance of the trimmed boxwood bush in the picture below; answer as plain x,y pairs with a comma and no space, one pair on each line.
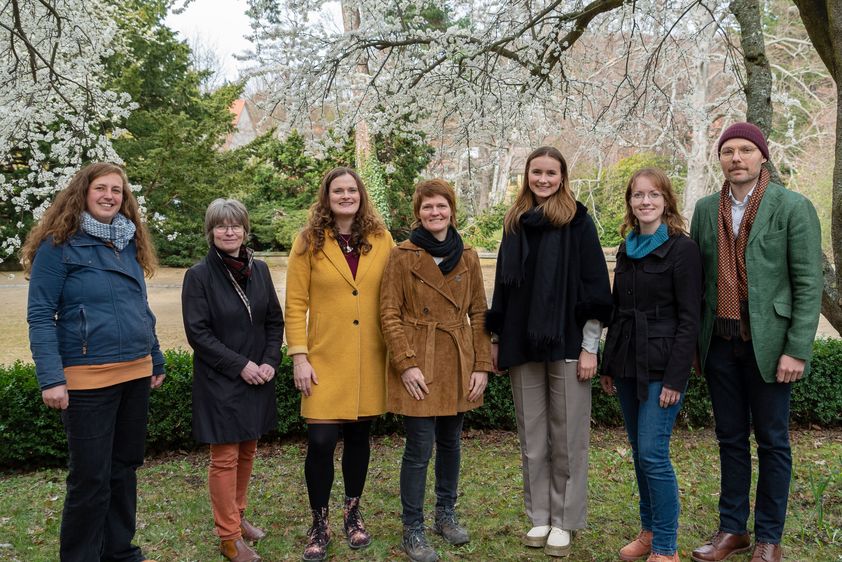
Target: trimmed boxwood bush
32,435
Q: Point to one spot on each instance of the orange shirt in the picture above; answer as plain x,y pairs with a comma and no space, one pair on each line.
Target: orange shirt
87,377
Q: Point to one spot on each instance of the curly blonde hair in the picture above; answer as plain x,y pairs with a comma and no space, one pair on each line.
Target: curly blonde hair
63,218
671,217
559,208
321,220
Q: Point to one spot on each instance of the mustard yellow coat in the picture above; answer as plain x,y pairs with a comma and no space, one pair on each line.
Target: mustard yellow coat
335,319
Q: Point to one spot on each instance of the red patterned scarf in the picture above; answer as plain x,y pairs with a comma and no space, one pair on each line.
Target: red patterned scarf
732,292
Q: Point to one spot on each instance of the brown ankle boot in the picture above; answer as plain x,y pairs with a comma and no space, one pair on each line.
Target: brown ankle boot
638,548
250,532
236,550
318,537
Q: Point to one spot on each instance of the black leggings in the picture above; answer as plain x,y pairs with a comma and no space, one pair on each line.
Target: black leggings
318,467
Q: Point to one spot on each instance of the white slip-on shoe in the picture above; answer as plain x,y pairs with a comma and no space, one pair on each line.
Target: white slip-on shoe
536,537
558,542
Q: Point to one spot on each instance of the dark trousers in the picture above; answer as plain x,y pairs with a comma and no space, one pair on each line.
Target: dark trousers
106,431
421,434
741,398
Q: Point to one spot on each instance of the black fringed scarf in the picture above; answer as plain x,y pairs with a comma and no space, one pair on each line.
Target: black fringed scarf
548,298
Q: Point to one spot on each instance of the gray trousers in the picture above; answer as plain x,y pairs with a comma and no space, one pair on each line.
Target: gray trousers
553,425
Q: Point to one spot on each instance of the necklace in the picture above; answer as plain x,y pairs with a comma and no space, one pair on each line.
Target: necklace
345,242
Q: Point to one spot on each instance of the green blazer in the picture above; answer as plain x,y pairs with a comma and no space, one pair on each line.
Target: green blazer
784,271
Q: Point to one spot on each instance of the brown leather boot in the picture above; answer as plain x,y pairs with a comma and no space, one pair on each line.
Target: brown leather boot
721,547
638,548
765,552
250,532
236,550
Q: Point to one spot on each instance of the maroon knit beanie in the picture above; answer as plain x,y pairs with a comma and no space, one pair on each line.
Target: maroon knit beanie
746,131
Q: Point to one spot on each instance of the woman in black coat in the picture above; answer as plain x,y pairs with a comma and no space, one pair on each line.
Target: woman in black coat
234,323
649,347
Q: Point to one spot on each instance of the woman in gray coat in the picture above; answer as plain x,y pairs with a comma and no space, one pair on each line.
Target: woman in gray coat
234,323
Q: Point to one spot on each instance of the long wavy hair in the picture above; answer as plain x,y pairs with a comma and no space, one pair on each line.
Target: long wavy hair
671,217
63,218
321,220
559,208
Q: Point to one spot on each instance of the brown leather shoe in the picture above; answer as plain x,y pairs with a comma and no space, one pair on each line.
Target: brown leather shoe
721,547
236,550
765,552
663,558
638,548
250,532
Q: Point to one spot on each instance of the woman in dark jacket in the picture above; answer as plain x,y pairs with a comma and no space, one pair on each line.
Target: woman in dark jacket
96,354
551,295
649,348
234,323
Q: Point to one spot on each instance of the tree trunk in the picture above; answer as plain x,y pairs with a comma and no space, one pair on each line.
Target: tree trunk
823,21
698,154
362,139
758,85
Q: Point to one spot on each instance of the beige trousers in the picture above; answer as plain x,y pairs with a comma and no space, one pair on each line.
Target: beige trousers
553,424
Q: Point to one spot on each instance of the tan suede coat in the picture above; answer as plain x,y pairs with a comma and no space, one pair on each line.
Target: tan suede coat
425,318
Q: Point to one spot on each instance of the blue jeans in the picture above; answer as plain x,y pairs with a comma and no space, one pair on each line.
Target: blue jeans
421,433
740,399
106,434
649,427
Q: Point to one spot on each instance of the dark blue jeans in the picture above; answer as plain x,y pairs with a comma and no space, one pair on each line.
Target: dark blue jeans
421,433
106,430
741,398
649,428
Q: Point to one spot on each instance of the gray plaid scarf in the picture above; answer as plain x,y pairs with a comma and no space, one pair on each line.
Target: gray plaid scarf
120,232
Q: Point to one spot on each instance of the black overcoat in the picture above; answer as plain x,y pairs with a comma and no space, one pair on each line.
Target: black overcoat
657,310
224,339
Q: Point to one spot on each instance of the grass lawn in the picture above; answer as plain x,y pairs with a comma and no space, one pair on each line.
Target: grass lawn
175,524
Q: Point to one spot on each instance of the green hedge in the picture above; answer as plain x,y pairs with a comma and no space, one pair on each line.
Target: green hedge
31,435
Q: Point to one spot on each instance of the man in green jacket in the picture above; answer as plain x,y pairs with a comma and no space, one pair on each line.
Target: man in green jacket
761,250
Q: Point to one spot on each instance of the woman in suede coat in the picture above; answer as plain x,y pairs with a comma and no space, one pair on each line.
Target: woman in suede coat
432,304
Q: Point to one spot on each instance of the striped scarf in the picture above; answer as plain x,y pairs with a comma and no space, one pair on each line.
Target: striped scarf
732,291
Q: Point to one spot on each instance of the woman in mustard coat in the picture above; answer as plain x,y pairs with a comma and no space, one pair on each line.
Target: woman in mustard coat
432,306
334,339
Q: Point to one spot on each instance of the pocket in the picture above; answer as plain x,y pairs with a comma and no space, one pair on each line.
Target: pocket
656,267
83,329
775,235
783,309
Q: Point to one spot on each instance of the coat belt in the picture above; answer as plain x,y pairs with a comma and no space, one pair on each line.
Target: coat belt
639,322
450,329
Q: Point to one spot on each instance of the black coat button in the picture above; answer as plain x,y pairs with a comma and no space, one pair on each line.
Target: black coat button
356,322
355,292
426,310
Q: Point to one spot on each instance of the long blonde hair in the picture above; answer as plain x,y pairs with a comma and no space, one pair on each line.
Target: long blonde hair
320,220
559,208
63,218
671,217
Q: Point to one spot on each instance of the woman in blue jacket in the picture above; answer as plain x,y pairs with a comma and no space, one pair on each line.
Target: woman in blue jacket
92,337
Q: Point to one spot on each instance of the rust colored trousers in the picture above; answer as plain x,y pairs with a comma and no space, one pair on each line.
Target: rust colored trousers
228,481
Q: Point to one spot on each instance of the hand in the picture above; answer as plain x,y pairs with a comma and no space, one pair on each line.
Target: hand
790,369
495,351
267,372
56,397
586,368
303,374
668,397
413,380
251,373
607,384
697,365
479,380
157,380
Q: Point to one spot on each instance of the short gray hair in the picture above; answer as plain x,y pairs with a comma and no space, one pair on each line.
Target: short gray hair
222,211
